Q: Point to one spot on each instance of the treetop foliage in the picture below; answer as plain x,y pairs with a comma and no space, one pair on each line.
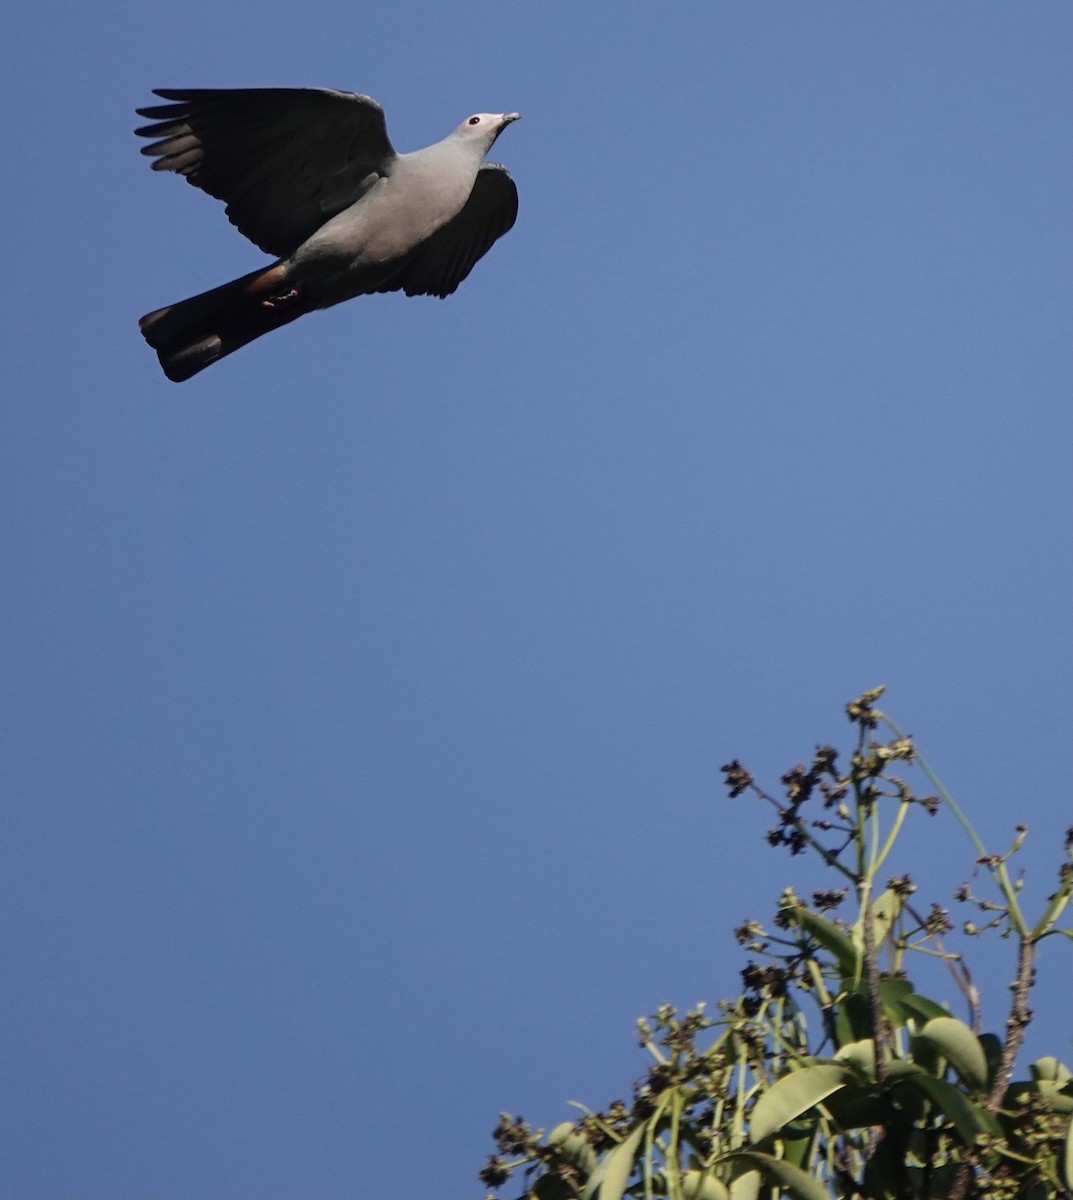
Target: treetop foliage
831,1075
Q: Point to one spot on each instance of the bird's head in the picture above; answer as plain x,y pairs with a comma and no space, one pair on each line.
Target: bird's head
485,126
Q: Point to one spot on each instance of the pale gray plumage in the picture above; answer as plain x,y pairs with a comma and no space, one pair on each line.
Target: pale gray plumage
310,176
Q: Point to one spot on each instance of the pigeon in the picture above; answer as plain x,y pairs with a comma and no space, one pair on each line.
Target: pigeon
311,178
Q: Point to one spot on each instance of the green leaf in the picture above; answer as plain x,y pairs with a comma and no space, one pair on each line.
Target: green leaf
847,1026
853,1019
745,1185
885,910
957,1043
1051,1080
616,1166
910,1105
891,994
921,1007
861,1056
574,1146
797,1141
853,1015
782,1174
577,1149
830,937
926,1057
1056,1098
703,1185
856,1107
967,1118
552,1187
1049,1069
794,1094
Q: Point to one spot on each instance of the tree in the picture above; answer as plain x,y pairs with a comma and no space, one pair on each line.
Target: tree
830,1075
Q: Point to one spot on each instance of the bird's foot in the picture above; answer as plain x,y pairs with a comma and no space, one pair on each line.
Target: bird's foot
281,299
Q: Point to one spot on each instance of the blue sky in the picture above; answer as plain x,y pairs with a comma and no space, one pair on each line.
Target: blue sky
363,699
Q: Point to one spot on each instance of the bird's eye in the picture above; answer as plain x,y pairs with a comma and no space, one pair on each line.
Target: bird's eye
474,121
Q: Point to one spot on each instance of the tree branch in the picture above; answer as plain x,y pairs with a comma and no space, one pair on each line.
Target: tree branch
1016,1022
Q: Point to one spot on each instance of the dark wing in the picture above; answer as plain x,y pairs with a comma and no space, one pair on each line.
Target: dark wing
440,264
284,160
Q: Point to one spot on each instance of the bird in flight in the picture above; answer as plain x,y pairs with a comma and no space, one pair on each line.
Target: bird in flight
310,176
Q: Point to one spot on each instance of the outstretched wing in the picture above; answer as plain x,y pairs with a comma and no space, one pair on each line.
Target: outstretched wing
439,265
284,160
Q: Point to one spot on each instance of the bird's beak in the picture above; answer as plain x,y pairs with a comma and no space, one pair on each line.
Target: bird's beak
508,117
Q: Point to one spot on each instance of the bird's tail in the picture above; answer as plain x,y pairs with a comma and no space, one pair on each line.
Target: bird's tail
193,334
